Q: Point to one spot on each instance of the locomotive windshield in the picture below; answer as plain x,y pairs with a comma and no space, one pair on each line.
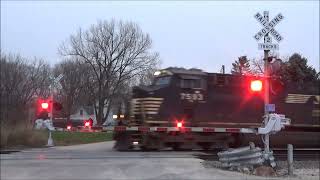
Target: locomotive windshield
165,80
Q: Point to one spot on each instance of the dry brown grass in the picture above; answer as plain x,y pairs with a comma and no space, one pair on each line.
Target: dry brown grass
22,136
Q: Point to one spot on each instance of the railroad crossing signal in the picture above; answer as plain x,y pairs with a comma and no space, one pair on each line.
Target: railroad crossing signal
268,28
54,84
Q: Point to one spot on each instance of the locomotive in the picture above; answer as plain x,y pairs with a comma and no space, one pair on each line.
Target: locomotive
207,110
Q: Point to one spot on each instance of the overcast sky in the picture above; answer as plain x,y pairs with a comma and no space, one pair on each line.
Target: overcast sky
201,34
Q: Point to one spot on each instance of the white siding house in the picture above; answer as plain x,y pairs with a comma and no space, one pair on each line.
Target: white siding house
84,113
87,112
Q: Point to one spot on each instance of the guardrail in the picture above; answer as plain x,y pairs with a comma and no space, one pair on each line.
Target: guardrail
245,156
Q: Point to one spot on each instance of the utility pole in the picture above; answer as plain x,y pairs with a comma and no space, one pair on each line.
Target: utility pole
223,69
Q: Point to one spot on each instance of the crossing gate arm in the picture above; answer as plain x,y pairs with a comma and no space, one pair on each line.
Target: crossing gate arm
276,122
183,129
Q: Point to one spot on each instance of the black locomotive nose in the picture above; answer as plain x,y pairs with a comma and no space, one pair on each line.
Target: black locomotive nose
140,91
145,91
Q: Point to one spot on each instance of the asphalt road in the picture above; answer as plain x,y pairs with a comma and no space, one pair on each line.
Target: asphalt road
100,161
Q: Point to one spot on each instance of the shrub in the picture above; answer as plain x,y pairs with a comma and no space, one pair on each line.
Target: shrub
22,135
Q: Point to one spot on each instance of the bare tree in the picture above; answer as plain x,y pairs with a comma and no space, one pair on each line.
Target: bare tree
116,52
147,77
257,66
73,84
21,82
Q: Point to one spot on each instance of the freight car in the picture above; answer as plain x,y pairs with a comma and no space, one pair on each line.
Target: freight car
189,108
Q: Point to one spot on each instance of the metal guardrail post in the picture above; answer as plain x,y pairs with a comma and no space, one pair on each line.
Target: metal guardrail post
290,159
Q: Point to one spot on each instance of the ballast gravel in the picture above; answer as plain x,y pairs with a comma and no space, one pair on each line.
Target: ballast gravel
302,169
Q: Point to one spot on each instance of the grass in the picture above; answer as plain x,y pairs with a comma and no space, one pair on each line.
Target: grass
72,138
22,136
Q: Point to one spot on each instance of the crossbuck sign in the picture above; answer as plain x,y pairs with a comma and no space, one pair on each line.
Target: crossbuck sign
268,28
56,81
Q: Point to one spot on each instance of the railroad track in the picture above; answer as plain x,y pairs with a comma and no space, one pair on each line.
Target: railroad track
299,154
279,154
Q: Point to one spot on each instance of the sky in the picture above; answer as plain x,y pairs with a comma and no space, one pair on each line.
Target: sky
199,34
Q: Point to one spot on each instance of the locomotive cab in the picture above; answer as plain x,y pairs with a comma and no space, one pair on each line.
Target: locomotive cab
170,98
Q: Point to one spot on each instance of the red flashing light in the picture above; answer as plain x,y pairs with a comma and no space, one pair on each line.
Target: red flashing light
69,127
179,124
44,105
87,124
256,85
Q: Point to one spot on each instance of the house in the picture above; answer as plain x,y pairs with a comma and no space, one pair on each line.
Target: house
86,112
83,113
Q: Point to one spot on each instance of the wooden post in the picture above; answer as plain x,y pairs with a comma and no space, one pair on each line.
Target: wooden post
290,159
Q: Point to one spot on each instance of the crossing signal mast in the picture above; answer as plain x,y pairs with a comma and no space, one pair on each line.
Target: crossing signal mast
268,28
54,85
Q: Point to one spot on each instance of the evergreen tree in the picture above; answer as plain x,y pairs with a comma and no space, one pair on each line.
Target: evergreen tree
296,69
241,66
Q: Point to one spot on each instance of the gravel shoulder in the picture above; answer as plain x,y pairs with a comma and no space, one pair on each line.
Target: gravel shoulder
305,169
302,170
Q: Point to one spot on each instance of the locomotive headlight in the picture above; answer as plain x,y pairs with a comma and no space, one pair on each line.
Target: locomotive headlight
157,73
179,124
135,143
